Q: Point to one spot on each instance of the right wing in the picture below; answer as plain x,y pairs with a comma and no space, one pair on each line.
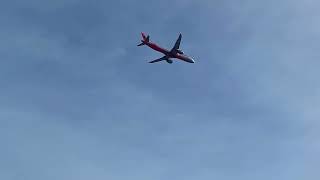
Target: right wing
160,59
177,44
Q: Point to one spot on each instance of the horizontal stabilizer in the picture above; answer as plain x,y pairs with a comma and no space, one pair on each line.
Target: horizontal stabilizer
141,44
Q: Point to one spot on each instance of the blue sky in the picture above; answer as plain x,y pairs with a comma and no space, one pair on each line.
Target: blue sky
79,101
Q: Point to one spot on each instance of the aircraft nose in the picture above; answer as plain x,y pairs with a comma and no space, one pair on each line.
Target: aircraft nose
192,60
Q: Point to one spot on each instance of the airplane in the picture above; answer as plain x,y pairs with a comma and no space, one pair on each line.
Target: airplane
175,52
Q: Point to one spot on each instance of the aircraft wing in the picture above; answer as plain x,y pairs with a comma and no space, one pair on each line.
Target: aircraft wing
160,59
177,44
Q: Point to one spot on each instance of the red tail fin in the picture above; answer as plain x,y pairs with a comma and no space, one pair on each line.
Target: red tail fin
145,39
143,36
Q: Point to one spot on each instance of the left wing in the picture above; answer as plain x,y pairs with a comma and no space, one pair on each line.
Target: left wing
177,44
160,59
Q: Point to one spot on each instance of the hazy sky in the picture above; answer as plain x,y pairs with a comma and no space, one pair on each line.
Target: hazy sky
79,101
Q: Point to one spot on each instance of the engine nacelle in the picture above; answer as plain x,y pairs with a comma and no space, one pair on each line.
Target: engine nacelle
179,51
169,61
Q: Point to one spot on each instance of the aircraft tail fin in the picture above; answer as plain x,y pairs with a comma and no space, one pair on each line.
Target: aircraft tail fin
145,39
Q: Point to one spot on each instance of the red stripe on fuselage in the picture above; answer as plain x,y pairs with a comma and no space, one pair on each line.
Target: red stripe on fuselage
157,48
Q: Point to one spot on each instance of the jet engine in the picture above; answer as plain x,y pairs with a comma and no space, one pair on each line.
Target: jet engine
169,61
179,51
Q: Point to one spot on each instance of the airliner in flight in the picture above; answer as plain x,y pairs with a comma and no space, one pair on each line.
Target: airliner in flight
175,52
